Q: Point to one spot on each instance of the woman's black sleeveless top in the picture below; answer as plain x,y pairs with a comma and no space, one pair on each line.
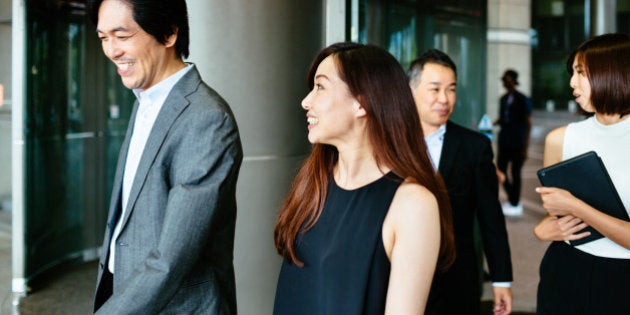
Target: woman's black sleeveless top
346,270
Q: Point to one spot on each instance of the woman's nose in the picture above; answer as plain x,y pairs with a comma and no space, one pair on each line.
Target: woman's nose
306,102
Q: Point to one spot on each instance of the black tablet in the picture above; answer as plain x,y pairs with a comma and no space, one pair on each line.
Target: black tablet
585,176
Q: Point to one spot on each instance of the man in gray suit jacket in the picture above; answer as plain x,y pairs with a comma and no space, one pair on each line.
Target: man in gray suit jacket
168,245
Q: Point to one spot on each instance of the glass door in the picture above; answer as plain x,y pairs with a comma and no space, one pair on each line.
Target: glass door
408,28
76,115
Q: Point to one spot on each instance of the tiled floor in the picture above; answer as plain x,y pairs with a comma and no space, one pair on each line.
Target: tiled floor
5,262
65,290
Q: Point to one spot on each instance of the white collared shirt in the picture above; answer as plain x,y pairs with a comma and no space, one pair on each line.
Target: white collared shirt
435,141
150,102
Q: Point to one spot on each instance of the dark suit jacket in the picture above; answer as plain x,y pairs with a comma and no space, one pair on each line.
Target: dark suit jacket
469,174
514,120
174,252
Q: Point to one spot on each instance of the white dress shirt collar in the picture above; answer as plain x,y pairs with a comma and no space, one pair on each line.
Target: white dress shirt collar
435,142
161,90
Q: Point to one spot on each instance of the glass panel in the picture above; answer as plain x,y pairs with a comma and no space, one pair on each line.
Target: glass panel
623,17
402,35
551,33
456,27
560,26
371,20
552,80
465,43
75,86
575,24
72,136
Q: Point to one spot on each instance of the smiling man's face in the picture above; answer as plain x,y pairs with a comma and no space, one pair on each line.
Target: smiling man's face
141,60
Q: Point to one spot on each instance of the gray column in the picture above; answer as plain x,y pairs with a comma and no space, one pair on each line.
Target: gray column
18,153
603,16
256,54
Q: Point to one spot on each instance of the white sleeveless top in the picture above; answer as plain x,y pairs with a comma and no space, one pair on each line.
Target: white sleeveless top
612,144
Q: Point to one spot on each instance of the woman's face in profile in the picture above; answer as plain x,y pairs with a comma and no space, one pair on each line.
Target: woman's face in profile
581,85
330,108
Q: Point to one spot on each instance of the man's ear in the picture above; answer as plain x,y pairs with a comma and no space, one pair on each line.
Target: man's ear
171,39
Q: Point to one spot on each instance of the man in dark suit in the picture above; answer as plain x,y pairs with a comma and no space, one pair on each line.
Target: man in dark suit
168,245
464,160
515,120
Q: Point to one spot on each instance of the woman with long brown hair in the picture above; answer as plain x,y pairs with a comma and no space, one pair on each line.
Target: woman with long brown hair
367,219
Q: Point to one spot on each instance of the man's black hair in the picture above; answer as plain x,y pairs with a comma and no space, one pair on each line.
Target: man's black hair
159,18
429,56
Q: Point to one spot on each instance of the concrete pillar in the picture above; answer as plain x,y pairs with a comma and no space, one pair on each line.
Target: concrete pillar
18,151
335,21
603,15
508,47
256,54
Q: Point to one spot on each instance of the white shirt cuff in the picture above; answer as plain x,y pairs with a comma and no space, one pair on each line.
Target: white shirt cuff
502,284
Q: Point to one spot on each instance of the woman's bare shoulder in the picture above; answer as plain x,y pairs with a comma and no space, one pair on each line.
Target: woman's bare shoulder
412,191
412,200
553,146
413,211
556,136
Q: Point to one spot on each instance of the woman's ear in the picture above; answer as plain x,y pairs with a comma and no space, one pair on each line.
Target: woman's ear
359,109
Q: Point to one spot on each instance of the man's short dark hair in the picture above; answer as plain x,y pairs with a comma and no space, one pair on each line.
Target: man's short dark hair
512,74
159,18
429,56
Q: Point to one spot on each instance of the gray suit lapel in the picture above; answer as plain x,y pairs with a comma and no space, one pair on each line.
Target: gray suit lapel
114,205
174,104
120,168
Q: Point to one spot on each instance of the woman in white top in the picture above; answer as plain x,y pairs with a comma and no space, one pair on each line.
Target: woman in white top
593,278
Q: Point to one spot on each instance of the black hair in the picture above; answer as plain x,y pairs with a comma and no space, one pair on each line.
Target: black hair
429,56
512,74
159,18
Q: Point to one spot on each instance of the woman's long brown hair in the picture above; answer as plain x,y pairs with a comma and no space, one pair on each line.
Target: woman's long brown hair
378,81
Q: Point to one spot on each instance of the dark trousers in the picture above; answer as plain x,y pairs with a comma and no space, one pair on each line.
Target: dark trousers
455,292
576,283
105,289
515,158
